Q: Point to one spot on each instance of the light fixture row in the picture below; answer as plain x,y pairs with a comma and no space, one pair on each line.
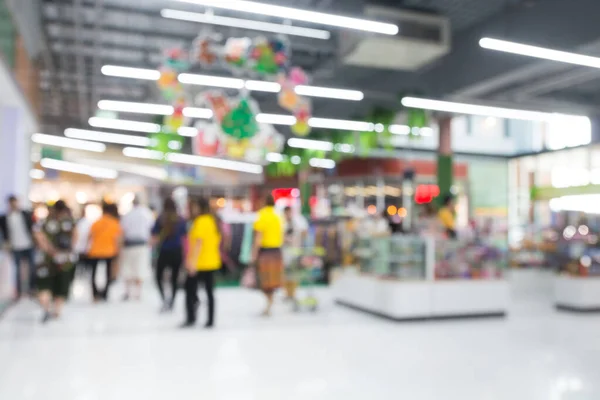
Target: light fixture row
296,14
233,83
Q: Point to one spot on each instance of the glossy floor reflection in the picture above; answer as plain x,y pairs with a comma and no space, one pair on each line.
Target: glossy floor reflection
120,351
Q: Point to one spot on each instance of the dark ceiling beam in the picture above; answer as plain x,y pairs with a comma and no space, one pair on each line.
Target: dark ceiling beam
555,24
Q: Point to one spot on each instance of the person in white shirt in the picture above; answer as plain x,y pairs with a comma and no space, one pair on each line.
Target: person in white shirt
83,235
136,257
17,230
295,230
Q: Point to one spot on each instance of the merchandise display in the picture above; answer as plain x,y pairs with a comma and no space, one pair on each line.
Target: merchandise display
537,249
416,277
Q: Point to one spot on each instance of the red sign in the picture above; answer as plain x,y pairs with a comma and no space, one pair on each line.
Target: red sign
426,193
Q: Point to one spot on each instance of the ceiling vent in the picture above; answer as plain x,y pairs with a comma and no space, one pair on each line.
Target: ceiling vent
422,39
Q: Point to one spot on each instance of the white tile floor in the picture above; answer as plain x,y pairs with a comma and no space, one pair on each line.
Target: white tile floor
127,351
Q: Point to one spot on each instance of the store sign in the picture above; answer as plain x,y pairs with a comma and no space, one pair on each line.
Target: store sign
548,193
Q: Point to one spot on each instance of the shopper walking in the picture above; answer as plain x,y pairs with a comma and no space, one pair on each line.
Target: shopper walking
136,256
268,240
16,227
104,246
202,260
169,233
446,216
296,230
82,243
56,237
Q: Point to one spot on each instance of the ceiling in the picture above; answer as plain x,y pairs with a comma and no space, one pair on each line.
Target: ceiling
83,35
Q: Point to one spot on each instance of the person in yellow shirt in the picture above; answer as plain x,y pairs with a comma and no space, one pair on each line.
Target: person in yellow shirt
446,216
203,259
268,240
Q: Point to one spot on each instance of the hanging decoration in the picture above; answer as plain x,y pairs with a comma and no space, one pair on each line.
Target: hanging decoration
236,117
234,131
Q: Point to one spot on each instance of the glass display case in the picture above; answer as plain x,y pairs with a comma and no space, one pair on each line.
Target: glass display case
397,256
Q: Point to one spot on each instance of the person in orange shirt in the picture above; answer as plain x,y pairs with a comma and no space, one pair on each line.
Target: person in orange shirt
104,245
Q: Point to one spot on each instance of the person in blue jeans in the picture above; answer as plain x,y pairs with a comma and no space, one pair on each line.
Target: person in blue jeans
16,227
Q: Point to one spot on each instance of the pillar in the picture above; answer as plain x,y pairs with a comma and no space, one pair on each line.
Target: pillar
27,75
14,156
444,161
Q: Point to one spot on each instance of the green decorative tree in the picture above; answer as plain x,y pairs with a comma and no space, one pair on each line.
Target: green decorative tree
240,123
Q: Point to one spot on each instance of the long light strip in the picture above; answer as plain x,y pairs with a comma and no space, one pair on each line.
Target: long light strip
128,72
147,154
97,136
215,163
263,86
140,108
188,131
310,144
276,119
194,160
95,172
213,81
299,15
321,163
58,141
473,109
330,93
259,86
539,52
124,125
274,157
245,24
328,123
195,112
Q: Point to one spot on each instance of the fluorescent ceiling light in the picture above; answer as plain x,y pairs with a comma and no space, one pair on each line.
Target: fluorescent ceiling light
540,52
95,172
340,124
321,163
140,108
124,125
188,131
310,144
37,174
96,136
127,72
473,109
255,85
399,129
274,157
263,86
276,119
58,141
209,18
135,152
215,163
299,15
194,112
330,93
344,148
213,81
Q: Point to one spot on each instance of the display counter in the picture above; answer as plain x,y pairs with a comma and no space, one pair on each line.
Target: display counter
577,286
413,278
6,279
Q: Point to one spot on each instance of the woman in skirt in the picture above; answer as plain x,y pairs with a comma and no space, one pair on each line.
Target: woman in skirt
268,240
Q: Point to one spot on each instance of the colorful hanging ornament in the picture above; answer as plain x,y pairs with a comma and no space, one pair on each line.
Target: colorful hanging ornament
207,142
236,52
204,50
240,123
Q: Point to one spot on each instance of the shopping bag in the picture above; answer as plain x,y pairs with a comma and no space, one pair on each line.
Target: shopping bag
249,278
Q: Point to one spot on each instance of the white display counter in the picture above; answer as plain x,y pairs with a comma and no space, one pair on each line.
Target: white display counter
6,279
579,294
427,299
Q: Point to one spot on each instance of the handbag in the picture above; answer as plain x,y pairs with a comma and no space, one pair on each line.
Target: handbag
249,278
